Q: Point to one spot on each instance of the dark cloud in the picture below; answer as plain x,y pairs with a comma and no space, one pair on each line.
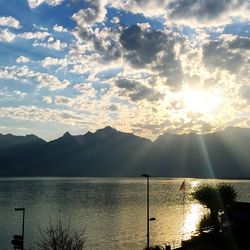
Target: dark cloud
108,49
142,45
113,107
152,48
84,33
240,43
217,54
201,10
127,84
189,12
170,66
137,91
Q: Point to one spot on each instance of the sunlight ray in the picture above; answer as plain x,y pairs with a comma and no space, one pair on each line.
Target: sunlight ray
205,154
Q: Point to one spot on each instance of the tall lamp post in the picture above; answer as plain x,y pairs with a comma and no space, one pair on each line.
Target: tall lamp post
148,219
18,240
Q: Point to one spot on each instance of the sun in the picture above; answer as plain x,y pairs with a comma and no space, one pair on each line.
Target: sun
200,101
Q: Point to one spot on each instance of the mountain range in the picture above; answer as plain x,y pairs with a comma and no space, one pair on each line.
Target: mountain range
109,152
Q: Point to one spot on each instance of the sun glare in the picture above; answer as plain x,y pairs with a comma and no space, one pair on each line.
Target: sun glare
198,101
193,215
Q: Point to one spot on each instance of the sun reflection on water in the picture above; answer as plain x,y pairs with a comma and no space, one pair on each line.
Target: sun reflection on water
192,214
191,219
194,184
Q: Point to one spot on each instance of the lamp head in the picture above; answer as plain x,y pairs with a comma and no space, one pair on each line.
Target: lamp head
19,209
145,175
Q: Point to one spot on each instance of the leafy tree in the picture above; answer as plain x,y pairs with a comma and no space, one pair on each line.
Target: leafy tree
215,198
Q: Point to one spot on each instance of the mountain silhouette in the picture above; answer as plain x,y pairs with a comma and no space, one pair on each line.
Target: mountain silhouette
109,152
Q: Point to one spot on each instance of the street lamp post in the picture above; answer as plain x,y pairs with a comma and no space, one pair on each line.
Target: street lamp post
18,241
148,219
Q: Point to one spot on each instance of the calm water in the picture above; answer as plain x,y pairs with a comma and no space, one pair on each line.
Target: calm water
113,211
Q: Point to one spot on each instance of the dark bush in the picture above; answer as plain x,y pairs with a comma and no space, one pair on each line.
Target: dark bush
59,237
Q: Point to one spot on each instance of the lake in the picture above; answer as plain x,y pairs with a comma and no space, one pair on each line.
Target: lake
112,210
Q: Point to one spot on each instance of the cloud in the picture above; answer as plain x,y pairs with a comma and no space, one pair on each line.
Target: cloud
39,27
63,100
228,52
47,99
34,35
10,21
95,12
245,93
51,82
215,55
51,44
137,91
144,47
86,88
7,36
14,73
191,13
51,61
83,34
148,8
202,12
4,95
115,20
88,100
35,3
59,28
109,49
102,42
113,108
22,59
155,127
24,74
13,95
131,73
238,42
19,93
35,114
199,126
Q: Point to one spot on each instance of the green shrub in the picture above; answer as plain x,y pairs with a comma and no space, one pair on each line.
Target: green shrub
216,198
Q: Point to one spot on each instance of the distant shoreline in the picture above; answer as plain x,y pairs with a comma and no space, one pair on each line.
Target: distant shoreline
128,177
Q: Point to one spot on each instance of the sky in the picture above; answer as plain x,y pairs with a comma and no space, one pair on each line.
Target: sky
141,66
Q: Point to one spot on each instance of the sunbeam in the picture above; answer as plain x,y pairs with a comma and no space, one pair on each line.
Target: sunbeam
207,162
